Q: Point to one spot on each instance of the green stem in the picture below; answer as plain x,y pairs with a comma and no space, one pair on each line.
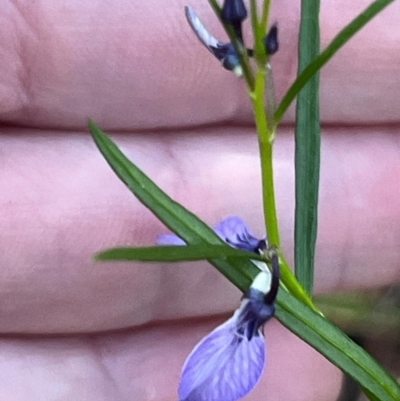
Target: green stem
266,134
265,15
266,140
270,214
271,100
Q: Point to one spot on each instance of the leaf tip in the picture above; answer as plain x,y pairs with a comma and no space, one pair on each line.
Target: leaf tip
98,257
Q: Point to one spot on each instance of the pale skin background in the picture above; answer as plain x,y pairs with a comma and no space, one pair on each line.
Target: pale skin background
76,330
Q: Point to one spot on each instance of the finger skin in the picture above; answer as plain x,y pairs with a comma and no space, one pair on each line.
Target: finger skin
136,67
54,223
145,365
70,60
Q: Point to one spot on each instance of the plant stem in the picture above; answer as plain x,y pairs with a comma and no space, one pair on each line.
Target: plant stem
270,215
266,139
265,15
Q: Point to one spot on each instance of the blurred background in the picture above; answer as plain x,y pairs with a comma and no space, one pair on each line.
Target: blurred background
372,320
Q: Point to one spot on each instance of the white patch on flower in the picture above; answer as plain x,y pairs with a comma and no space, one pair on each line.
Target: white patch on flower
262,282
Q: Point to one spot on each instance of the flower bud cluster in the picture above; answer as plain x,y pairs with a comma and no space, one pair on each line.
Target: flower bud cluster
233,13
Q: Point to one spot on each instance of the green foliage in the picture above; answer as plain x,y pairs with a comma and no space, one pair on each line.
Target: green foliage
337,43
295,315
176,253
295,308
307,150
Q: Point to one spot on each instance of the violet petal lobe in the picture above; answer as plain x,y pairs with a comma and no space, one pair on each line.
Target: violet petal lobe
201,32
224,366
234,231
169,239
224,52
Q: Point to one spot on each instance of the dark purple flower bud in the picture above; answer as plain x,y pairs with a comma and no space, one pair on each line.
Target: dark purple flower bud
230,61
271,40
234,13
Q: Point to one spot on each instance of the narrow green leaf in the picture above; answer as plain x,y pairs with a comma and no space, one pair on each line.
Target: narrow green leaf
369,395
340,39
336,347
177,218
176,253
173,215
307,150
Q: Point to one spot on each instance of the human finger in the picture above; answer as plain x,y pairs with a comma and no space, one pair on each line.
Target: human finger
61,203
138,66
145,364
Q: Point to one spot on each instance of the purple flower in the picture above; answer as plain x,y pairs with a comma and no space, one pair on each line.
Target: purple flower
232,230
228,363
224,52
233,12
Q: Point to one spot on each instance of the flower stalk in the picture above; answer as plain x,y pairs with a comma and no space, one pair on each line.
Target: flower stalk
266,130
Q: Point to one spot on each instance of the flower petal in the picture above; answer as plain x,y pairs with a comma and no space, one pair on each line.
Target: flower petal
234,231
169,239
223,366
201,32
